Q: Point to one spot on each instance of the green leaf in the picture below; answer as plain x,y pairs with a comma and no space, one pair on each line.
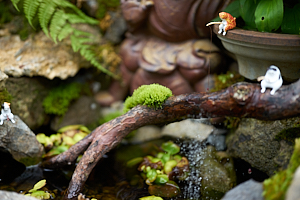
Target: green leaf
41,195
269,15
57,23
291,20
247,10
151,175
38,185
170,147
151,198
45,13
134,161
161,179
30,8
15,2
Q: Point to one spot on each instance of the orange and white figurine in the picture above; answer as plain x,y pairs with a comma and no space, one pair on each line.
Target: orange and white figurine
228,22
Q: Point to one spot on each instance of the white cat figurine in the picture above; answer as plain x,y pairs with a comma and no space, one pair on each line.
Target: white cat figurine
6,113
272,79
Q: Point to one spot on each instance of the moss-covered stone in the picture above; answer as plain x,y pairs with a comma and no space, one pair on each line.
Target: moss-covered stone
5,96
153,95
59,98
289,134
276,186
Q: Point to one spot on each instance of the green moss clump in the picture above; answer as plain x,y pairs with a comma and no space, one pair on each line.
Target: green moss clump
223,81
5,96
153,95
59,98
275,187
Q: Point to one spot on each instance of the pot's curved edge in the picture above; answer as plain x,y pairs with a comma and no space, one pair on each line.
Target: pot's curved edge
257,37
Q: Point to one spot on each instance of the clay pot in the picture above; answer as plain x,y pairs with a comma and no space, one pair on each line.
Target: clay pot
256,51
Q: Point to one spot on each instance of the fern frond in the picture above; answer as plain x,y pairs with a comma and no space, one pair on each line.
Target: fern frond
90,55
45,13
30,8
74,18
67,4
57,23
65,31
15,2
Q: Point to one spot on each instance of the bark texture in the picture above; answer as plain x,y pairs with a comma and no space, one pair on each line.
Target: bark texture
239,100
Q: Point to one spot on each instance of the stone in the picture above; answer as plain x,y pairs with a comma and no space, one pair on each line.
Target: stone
3,78
145,133
27,99
7,195
83,111
190,128
294,189
116,30
211,174
17,139
38,56
254,141
249,190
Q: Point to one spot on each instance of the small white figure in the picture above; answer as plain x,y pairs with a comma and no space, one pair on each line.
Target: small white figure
6,113
272,79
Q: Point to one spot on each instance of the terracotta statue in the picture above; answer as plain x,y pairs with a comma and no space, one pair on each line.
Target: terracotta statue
166,44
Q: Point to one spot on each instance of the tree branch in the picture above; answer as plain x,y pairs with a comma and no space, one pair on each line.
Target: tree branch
239,100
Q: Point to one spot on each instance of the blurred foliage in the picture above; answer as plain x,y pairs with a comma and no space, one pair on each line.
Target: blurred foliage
5,96
223,81
275,187
63,140
105,6
58,100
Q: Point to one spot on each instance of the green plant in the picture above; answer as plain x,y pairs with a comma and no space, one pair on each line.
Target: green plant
158,172
40,194
153,95
275,187
63,140
57,19
268,15
59,98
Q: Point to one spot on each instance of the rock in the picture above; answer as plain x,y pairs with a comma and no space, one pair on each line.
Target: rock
294,189
249,190
27,99
3,78
17,139
217,139
116,30
38,56
190,128
254,141
217,172
212,172
6,195
145,134
83,111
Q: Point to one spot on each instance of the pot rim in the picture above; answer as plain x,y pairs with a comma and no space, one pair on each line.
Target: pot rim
264,38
